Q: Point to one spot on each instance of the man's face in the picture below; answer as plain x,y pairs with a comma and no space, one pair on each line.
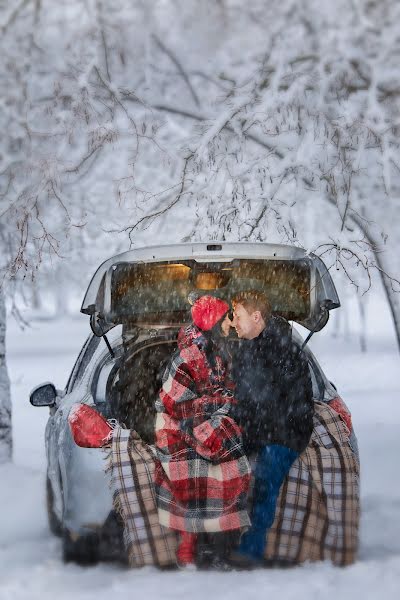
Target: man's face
245,323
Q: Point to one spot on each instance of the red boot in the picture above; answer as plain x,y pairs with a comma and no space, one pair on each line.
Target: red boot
186,553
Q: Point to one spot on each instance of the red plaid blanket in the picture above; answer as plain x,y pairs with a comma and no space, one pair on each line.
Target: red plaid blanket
203,474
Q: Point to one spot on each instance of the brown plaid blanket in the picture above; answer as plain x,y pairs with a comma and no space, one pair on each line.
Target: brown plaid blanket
317,514
132,465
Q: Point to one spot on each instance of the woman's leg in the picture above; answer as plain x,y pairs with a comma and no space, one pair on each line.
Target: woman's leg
186,552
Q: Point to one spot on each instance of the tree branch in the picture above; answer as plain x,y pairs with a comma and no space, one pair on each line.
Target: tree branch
160,212
128,96
180,68
14,14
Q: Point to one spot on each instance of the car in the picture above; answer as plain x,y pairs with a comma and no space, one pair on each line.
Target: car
137,301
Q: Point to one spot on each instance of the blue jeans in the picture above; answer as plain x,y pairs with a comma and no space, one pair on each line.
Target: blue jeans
272,466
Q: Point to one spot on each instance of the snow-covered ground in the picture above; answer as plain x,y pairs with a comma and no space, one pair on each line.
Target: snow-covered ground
30,557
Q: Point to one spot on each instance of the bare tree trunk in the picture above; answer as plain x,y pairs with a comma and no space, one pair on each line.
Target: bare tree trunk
393,298
36,298
61,299
5,398
363,319
385,261
386,264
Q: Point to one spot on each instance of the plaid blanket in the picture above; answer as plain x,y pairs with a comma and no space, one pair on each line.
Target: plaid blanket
317,514
203,474
131,464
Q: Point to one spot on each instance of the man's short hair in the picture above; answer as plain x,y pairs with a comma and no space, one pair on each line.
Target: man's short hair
253,300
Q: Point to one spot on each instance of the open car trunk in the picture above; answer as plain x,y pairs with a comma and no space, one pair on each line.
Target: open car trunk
137,383
149,287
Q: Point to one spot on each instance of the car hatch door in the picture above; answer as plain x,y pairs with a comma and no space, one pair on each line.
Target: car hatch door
150,286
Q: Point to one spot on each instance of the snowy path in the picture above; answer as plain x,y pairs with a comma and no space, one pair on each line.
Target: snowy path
30,563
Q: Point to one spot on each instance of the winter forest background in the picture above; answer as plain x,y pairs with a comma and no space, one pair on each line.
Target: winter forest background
136,122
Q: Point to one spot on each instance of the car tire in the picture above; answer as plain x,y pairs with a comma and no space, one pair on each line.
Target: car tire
53,520
83,549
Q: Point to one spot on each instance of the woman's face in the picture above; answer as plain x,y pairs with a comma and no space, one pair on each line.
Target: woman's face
226,325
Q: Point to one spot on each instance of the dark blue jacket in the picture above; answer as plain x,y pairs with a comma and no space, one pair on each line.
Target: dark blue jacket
273,389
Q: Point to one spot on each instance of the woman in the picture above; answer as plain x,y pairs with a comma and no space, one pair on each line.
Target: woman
203,475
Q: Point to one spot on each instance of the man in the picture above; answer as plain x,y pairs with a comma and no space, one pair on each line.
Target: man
274,407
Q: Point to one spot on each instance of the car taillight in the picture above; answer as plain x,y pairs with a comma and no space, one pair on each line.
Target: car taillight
340,407
89,429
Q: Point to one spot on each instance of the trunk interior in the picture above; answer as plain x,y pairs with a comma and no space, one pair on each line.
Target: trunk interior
136,385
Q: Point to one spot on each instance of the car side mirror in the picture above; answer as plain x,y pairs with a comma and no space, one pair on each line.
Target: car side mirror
43,395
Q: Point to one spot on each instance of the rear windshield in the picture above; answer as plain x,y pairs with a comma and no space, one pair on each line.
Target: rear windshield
158,292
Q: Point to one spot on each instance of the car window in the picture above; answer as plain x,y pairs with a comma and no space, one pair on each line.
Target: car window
316,378
315,386
100,382
82,362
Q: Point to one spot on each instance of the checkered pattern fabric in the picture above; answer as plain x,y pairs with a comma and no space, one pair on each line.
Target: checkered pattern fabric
317,514
203,475
132,465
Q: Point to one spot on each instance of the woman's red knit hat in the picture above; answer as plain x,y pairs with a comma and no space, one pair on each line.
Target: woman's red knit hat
207,311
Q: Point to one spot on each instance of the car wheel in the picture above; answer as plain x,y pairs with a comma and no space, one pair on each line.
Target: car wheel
53,520
82,549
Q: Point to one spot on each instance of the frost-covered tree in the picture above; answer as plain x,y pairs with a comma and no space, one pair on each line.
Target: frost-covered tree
248,121
306,127
57,191
37,215
5,402
184,119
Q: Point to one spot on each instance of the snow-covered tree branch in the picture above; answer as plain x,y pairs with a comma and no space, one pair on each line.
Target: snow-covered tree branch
257,121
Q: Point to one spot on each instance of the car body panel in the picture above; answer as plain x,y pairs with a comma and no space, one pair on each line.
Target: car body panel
82,498
81,487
